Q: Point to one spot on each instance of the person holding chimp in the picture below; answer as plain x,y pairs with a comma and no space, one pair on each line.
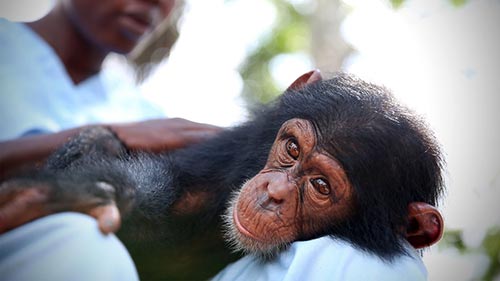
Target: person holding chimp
92,256
52,88
52,85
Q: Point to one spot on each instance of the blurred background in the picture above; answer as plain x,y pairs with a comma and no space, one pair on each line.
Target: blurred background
214,59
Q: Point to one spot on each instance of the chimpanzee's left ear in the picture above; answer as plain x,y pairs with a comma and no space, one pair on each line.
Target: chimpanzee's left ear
425,225
307,78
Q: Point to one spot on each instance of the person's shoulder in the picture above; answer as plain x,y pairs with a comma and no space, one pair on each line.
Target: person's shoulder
326,258
24,53
346,262
7,26
16,35
12,36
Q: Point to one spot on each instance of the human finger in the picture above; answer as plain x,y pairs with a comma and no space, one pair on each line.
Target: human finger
25,206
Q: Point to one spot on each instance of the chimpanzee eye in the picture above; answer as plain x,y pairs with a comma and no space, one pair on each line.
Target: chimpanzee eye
292,149
321,185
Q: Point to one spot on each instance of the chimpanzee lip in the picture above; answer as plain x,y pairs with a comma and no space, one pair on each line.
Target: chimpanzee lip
242,229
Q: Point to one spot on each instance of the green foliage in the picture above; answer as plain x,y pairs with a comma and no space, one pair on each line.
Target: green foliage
289,34
396,4
458,3
489,246
453,238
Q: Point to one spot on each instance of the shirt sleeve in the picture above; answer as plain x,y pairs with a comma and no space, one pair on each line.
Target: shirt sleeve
64,246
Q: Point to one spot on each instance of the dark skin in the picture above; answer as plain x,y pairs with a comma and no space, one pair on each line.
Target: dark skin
82,33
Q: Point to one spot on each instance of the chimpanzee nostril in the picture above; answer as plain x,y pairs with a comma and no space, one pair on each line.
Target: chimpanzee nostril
277,201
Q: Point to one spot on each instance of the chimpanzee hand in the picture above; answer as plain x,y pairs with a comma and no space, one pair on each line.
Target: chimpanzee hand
23,200
158,135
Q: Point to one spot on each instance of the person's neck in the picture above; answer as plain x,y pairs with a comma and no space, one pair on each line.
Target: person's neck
80,57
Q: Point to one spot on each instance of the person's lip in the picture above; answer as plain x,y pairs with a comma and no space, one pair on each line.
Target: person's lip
136,24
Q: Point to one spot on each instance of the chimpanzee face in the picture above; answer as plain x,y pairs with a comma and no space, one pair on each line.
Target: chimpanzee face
299,194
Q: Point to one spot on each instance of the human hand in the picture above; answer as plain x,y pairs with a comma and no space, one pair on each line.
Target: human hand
22,201
158,135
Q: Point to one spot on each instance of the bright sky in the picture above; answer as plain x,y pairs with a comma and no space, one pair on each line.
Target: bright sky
200,81
438,59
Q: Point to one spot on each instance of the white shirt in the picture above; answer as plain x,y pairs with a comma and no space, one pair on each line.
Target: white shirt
326,259
37,95
64,246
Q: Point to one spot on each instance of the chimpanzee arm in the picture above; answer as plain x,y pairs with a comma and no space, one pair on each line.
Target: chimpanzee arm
93,169
90,171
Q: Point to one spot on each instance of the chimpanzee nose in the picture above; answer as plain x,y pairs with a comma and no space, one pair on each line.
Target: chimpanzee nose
279,187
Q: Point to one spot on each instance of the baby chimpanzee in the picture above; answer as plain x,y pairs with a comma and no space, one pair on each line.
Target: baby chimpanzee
337,157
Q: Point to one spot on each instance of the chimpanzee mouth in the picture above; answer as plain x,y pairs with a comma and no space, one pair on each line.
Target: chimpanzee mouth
242,229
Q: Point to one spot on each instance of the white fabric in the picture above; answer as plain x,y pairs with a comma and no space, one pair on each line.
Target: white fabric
325,259
37,95
64,246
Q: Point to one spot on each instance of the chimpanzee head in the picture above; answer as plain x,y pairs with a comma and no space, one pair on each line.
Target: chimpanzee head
347,161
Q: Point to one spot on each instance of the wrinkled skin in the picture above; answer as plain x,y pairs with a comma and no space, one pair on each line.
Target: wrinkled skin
300,190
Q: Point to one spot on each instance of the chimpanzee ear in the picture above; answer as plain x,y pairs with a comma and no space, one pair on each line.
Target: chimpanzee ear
425,225
307,78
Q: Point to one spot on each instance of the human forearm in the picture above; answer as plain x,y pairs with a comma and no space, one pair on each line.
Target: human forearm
26,151
155,135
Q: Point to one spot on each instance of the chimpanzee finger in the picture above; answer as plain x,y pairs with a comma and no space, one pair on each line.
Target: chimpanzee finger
107,216
25,206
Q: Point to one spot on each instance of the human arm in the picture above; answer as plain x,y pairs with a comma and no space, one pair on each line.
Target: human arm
30,150
154,135
158,135
102,184
22,202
